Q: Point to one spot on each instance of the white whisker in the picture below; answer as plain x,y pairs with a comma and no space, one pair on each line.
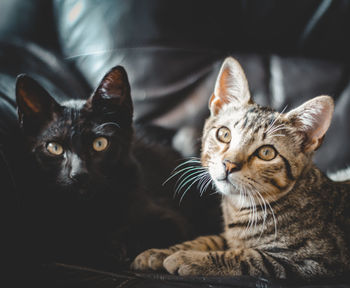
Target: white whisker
187,179
195,180
189,169
274,121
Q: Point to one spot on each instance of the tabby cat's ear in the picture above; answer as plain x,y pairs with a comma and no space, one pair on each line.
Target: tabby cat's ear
231,87
33,101
113,91
313,119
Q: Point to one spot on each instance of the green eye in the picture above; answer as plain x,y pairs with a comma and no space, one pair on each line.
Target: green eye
54,148
100,144
266,153
223,135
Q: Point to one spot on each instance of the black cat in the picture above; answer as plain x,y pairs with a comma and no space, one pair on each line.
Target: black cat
92,201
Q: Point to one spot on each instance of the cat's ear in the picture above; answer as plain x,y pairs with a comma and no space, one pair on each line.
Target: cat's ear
113,91
33,101
313,119
231,87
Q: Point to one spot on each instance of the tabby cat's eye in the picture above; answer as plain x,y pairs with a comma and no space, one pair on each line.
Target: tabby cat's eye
54,148
224,135
100,144
266,153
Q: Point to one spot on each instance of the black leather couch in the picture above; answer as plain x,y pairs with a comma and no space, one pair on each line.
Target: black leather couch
172,50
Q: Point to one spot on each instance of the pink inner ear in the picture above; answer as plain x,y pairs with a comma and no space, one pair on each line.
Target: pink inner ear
226,85
31,105
314,118
231,87
322,120
112,85
215,104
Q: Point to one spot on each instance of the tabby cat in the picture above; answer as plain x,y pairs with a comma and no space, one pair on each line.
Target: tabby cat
283,218
96,196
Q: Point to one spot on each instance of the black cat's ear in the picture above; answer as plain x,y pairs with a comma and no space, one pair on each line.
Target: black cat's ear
231,87
313,119
33,100
113,91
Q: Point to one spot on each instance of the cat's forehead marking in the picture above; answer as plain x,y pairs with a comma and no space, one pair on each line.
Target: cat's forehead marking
250,119
74,104
72,114
248,125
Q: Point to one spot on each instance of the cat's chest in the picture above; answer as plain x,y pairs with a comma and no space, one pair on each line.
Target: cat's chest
239,230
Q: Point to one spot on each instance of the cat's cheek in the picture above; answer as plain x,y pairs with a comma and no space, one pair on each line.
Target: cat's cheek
216,169
48,164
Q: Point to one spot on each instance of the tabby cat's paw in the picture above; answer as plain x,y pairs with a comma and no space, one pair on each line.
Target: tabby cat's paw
186,263
151,259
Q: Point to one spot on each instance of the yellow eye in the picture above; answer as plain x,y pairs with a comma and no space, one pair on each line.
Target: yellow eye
224,135
100,144
54,148
267,153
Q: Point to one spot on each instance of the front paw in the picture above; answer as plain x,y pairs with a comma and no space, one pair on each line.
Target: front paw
151,259
186,263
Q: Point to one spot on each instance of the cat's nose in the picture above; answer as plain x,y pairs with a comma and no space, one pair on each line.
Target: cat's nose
231,166
80,177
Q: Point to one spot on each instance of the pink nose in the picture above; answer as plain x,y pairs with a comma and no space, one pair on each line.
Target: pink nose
231,167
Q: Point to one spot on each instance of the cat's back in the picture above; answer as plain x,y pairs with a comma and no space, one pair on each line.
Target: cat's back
342,207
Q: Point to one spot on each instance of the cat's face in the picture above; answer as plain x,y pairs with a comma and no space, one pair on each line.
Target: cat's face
252,150
79,145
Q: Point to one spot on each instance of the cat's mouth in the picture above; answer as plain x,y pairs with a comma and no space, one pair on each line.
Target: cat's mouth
84,193
81,192
229,184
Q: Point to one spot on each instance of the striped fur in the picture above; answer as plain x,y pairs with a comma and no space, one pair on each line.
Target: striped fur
283,218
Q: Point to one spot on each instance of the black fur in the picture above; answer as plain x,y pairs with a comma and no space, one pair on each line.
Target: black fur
113,206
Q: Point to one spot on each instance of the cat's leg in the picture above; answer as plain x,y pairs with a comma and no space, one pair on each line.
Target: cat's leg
153,258
227,263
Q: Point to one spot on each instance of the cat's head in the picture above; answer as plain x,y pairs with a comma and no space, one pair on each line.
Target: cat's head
79,145
247,147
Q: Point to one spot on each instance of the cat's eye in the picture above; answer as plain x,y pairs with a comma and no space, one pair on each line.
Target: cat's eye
54,148
266,153
100,144
223,135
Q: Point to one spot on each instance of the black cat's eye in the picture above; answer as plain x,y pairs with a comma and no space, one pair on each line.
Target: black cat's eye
223,135
54,148
100,144
266,153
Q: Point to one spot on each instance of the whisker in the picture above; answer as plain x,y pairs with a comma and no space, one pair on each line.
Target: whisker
263,208
195,180
205,188
275,135
250,211
279,115
205,184
187,179
275,132
189,169
272,213
275,129
188,174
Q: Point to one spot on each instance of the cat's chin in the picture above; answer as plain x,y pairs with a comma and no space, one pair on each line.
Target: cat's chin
84,194
226,188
